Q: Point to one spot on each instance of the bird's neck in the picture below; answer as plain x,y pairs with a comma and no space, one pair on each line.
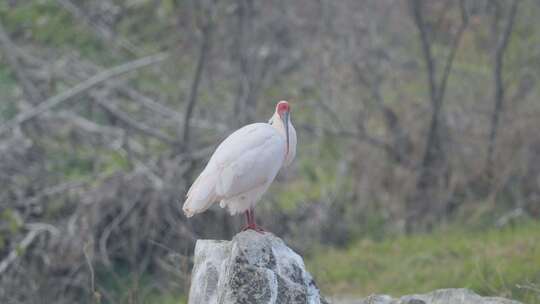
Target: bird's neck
278,124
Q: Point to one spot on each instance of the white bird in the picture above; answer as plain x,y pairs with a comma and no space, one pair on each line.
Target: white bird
243,167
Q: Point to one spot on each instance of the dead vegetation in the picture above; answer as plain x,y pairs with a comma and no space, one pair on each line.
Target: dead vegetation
410,115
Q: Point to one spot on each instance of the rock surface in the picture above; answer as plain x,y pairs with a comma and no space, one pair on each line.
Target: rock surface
441,296
252,268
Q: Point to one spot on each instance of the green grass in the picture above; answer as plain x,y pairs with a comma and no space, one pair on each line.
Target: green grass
167,299
492,262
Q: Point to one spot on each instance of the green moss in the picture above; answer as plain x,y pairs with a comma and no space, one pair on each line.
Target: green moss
114,161
492,262
166,299
8,91
20,250
13,223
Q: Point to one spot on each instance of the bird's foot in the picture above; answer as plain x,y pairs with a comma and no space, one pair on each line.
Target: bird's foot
254,227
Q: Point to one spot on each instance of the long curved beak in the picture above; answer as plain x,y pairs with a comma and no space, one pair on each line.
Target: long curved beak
285,119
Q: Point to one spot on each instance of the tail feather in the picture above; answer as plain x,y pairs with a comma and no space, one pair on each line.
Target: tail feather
201,195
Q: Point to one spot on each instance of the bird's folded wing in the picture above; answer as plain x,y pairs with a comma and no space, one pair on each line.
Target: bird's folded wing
248,158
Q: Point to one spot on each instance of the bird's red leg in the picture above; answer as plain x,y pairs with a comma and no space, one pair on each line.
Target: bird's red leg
250,218
255,227
250,222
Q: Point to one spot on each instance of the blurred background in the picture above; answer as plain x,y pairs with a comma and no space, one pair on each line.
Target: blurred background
418,164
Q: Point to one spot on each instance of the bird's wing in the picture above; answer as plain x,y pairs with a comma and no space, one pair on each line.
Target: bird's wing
248,158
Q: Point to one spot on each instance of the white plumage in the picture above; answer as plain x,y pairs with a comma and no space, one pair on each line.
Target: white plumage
244,165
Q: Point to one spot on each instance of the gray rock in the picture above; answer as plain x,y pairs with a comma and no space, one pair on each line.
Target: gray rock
441,296
252,268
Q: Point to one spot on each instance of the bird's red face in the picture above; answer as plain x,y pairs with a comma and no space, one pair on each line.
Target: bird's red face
283,109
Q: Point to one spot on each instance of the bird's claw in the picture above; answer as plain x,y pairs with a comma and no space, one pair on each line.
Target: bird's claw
256,228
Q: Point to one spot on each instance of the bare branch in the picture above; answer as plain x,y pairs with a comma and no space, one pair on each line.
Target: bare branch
87,125
21,247
81,88
166,111
453,50
193,93
426,50
499,94
96,294
437,90
111,227
149,103
434,164
102,31
529,286
128,121
396,150
126,90
54,190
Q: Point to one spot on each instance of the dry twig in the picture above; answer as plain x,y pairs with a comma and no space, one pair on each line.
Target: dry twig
35,230
81,88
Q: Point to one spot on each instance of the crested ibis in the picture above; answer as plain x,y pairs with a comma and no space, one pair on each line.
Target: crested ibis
243,167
